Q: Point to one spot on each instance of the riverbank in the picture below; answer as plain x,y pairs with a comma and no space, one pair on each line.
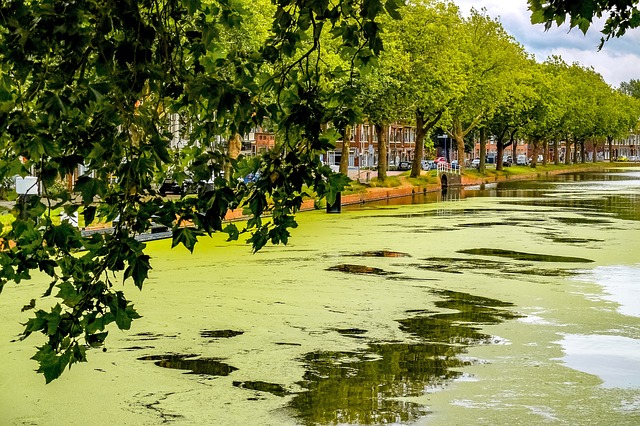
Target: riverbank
428,182
360,193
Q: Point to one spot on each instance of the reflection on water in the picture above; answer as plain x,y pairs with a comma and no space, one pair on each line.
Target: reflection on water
457,265
622,285
601,191
207,366
359,269
614,359
458,327
381,253
220,334
364,387
617,194
532,257
272,388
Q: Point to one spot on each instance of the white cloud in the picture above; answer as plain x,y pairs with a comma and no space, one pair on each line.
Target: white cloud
618,61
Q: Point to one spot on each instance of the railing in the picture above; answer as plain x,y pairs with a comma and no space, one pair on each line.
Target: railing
447,168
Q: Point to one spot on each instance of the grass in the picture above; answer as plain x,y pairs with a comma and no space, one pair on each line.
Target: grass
429,178
389,182
528,170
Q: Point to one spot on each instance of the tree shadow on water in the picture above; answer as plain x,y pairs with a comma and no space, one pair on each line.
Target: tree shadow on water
367,387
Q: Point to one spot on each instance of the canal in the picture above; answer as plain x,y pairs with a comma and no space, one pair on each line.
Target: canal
512,303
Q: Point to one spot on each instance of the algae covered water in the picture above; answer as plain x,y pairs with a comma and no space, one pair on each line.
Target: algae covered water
516,303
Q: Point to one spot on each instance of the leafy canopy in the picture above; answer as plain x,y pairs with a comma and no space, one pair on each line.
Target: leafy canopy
81,84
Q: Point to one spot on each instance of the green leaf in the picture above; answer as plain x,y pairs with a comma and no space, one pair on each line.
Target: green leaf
185,236
392,6
51,364
232,231
68,294
99,323
138,269
53,319
124,316
89,188
97,339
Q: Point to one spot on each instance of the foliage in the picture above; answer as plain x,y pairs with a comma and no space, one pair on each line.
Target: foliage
6,188
631,88
82,84
622,15
492,62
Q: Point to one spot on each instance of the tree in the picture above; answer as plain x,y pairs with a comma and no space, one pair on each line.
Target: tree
514,112
489,57
80,83
380,94
423,42
631,88
622,15
618,117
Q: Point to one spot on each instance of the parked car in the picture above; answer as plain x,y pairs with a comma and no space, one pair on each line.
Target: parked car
170,186
521,160
507,161
440,160
475,163
455,165
251,178
404,165
429,165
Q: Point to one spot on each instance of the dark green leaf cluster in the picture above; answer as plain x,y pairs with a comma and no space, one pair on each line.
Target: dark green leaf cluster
101,84
622,15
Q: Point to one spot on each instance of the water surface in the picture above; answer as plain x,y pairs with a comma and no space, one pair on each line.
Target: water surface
515,303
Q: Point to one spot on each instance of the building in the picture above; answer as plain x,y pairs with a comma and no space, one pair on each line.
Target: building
363,146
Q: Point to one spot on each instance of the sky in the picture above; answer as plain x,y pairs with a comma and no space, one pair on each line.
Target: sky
618,61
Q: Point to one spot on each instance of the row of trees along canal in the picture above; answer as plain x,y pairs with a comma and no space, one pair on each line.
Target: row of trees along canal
81,84
467,75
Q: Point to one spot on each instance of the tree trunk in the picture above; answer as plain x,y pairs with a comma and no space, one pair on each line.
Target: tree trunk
234,146
556,152
422,129
382,130
416,167
346,145
610,141
575,151
534,155
595,151
458,136
499,160
483,151
583,156
545,152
